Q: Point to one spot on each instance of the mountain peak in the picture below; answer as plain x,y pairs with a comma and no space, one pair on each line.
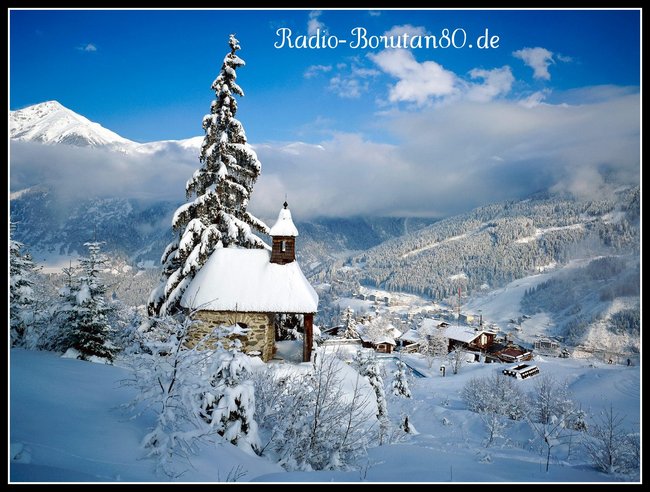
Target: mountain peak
50,122
52,105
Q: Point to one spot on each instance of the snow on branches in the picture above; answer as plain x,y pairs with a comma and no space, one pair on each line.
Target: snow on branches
87,329
400,382
197,393
222,186
21,293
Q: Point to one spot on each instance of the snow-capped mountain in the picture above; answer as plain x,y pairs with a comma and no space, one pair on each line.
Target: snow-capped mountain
51,123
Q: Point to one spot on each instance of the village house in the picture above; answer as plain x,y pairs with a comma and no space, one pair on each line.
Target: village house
469,338
252,288
511,353
409,338
379,338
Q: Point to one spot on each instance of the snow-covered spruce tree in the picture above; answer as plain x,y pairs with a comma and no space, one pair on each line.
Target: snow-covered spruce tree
198,393
228,405
21,292
400,383
349,323
223,185
367,366
88,330
66,311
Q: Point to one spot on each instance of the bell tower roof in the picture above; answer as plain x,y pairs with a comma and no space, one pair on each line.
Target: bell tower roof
284,226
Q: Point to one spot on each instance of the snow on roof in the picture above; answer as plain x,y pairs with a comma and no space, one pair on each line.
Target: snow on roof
429,323
284,225
373,335
387,340
464,334
394,332
245,280
411,336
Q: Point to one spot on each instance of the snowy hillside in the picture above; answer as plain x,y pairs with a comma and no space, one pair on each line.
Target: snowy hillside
66,425
51,123
55,229
496,244
592,306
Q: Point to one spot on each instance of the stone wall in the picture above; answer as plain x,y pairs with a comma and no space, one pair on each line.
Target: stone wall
260,338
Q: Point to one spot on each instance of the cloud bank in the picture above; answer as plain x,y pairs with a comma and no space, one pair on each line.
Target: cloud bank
446,160
453,158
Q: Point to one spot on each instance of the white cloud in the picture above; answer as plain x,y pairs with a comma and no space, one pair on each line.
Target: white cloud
315,70
347,87
87,47
450,158
314,24
445,159
538,59
417,81
496,82
82,172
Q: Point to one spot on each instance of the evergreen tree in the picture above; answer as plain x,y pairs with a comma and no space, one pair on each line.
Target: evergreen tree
400,383
228,406
217,217
66,314
88,329
21,292
349,323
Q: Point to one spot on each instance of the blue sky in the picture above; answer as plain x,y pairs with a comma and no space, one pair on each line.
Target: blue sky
554,105
147,74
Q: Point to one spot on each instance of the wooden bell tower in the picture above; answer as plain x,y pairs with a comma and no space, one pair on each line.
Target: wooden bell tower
283,234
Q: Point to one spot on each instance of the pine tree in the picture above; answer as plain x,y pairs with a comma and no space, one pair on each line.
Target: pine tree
349,323
400,383
229,404
217,217
88,329
21,292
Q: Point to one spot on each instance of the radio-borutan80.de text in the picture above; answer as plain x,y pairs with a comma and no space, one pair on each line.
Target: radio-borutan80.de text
360,38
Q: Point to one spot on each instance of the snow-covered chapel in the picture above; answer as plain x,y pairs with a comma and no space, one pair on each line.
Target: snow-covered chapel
250,288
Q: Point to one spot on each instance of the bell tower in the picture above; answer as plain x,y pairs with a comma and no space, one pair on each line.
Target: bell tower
283,234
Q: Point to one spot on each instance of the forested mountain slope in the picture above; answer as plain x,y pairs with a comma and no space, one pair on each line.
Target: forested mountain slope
495,244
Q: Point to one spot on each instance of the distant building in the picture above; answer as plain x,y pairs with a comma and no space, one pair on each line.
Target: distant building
381,339
469,338
513,354
546,344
